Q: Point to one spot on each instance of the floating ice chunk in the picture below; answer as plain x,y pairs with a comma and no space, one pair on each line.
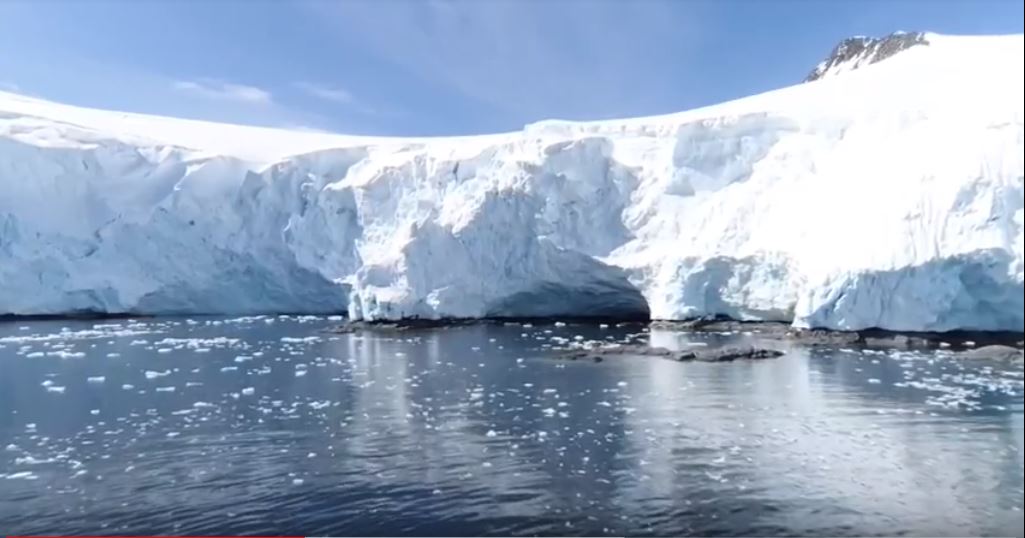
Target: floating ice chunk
64,354
303,340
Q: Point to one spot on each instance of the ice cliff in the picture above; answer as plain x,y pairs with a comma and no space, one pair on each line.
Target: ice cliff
884,196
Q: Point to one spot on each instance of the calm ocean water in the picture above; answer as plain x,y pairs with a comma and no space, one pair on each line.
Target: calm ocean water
268,425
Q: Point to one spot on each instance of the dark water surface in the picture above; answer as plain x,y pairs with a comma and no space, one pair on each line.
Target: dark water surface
266,425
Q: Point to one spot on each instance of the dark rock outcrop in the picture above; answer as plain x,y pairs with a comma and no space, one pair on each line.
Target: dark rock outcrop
860,51
994,352
871,338
716,354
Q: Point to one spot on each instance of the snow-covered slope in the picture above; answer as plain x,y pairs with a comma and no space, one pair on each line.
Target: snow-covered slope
887,196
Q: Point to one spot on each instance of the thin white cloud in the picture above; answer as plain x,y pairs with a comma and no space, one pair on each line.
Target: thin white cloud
9,86
337,95
224,91
327,93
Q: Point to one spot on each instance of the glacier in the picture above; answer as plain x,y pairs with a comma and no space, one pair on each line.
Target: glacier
884,196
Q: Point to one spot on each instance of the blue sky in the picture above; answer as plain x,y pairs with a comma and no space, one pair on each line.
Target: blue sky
425,67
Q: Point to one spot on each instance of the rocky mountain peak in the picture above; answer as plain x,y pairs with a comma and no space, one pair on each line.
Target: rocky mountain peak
859,51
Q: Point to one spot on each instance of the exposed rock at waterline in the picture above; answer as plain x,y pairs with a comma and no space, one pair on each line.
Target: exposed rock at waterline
718,354
998,352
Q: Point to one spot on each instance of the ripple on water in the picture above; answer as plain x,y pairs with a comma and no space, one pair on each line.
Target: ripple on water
264,425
